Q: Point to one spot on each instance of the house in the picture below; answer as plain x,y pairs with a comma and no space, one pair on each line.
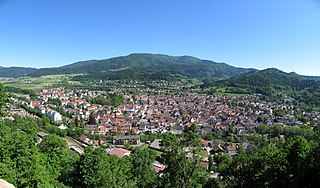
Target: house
84,139
204,143
102,129
156,144
216,149
91,128
42,134
40,109
55,116
121,140
16,111
119,152
158,167
135,130
176,129
142,127
231,149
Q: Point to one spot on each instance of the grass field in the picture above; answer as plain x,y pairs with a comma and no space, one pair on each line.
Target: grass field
187,81
37,83
220,91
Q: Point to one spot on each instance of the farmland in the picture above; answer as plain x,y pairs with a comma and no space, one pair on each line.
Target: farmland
37,83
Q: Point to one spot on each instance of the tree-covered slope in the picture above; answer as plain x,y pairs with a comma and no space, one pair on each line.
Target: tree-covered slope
312,77
272,82
15,71
269,77
137,64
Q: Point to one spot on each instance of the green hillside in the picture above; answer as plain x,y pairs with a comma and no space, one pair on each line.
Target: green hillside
275,83
269,77
15,71
137,66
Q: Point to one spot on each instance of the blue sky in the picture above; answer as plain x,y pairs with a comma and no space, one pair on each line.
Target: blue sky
260,34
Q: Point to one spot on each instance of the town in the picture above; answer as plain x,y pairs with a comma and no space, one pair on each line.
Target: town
159,94
154,110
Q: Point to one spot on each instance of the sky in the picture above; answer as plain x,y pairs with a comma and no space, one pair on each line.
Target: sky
283,34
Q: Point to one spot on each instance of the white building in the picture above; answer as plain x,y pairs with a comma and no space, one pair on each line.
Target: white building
55,116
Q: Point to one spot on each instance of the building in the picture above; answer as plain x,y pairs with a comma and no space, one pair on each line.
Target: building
156,144
56,117
42,134
122,140
119,152
158,167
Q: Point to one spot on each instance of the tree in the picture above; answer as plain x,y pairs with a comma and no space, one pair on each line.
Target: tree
55,149
275,130
142,167
45,119
305,131
20,161
180,171
70,171
76,121
222,161
3,98
265,168
231,129
292,164
262,129
299,151
97,169
260,119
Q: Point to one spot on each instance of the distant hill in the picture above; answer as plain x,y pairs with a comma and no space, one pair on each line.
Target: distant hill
15,71
149,65
312,77
274,83
270,77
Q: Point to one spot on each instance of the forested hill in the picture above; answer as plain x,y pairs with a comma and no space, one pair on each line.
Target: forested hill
312,77
15,71
273,82
137,65
270,77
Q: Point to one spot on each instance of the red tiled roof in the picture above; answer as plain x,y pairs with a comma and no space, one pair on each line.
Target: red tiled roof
204,142
158,166
119,152
83,137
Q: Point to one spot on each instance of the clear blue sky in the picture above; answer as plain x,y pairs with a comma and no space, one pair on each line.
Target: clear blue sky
246,33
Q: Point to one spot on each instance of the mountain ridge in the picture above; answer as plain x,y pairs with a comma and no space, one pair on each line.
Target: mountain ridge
136,65
274,83
15,71
270,76
154,63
